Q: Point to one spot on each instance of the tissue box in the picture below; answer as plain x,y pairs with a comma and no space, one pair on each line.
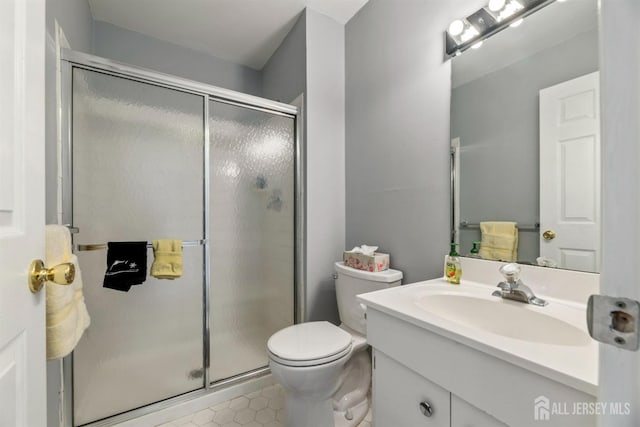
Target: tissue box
375,262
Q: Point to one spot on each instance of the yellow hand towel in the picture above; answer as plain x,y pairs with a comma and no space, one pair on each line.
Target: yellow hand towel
499,241
168,259
67,315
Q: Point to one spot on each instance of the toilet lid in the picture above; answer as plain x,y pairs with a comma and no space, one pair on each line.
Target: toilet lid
309,341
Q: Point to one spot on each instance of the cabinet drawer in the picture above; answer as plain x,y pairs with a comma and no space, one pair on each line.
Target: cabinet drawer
398,393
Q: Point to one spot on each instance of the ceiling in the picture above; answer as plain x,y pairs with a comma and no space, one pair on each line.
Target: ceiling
550,26
241,31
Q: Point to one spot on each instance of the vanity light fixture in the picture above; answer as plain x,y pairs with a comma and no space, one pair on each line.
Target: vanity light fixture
497,15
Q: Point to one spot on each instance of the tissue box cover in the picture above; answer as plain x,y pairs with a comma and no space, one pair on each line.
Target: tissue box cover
375,262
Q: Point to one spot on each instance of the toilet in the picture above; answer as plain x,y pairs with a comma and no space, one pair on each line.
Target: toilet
326,369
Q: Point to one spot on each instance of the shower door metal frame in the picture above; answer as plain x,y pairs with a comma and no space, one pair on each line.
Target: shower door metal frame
71,59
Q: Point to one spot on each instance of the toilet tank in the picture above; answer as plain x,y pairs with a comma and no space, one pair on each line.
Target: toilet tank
351,282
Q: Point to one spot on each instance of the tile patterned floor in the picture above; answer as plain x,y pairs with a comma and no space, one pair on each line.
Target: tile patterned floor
262,408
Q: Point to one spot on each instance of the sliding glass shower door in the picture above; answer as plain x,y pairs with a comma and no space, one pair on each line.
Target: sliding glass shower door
252,234
152,161
138,156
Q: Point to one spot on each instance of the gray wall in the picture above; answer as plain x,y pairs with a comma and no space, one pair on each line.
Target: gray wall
496,118
397,133
138,49
311,60
75,19
325,100
284,76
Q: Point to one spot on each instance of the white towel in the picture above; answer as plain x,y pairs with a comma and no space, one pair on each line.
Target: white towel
67,315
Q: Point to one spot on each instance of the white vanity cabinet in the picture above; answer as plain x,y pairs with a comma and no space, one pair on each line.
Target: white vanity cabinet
463,386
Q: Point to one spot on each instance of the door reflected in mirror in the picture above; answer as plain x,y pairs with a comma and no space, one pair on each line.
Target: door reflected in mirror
525,133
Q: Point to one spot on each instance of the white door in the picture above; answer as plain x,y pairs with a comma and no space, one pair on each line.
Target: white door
619,370
570,173
22,316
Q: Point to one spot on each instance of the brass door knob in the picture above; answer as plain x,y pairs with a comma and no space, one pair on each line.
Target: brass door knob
549,235
62,274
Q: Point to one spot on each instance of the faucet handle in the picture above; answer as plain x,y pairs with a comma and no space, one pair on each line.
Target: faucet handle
511,272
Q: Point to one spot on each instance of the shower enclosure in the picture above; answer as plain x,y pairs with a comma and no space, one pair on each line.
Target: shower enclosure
150,156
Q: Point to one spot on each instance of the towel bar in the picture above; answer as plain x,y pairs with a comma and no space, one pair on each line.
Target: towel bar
100,246
72,229
469,226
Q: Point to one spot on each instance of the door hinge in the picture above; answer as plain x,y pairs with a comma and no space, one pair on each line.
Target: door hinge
614,321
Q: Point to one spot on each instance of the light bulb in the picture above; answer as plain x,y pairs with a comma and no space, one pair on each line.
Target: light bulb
456,27
516,5
469,33
496,5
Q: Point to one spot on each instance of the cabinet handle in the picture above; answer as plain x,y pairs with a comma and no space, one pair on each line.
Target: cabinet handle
426,409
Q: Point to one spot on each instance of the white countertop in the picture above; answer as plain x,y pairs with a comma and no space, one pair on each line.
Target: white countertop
573,365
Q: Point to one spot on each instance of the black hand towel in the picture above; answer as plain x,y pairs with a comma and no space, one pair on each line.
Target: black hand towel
126,265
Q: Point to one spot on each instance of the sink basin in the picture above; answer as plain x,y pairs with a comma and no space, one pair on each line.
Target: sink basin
551,341
506,318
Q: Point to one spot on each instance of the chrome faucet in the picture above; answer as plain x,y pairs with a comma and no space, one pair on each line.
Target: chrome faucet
513,288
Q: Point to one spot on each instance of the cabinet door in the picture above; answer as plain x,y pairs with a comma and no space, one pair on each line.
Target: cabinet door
464,414
398,393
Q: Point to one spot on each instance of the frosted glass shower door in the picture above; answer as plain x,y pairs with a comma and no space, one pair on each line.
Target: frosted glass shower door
252,235
138,173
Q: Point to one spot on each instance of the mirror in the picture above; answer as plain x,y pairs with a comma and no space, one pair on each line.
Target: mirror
526,144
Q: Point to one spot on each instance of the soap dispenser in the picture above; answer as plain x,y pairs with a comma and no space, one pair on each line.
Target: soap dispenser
453,269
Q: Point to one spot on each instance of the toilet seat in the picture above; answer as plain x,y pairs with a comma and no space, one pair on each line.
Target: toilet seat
308,363
309,344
